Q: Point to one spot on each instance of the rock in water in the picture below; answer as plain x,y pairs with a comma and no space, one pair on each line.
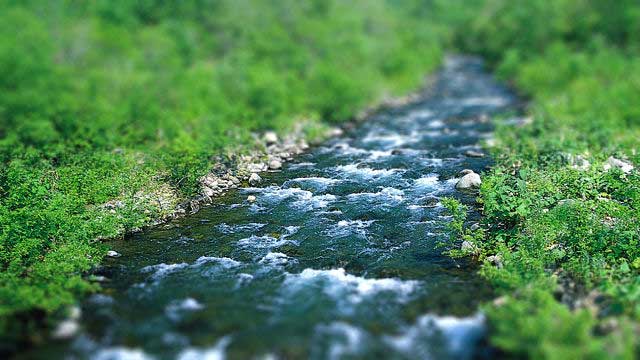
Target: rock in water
470,180
112,253
254,179
251,198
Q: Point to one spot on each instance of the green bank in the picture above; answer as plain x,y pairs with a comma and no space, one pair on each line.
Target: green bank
560,237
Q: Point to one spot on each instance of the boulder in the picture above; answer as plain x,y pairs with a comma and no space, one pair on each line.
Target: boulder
251,198
471,180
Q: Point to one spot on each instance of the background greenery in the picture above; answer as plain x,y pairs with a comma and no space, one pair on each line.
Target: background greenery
112,100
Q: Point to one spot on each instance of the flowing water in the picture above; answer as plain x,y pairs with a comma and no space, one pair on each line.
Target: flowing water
337,258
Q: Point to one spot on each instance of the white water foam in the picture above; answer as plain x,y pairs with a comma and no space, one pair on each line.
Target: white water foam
121,353
224,262
318,183
231,229
161,270
303,199
386,194
275,259
457,334
177,308
264,242
365,172
428,181
391,140
348,227
342,286
344,340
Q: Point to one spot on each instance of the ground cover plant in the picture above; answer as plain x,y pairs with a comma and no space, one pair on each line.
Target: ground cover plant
560,238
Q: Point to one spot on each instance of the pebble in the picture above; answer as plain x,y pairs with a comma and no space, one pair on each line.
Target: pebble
113,254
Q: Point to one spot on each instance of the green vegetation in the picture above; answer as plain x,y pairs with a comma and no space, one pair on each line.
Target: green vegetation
564,229
128,101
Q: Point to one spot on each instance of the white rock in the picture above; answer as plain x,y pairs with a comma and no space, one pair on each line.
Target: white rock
270,137
471,180
275,164
112,253
66,329
612,162
254,179
251,198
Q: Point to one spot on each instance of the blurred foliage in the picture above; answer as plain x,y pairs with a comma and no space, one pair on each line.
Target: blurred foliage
565,231
125,101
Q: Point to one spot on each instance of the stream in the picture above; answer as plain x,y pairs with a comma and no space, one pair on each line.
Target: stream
337,258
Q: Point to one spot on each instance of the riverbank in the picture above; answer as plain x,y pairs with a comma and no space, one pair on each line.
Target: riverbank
559,238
